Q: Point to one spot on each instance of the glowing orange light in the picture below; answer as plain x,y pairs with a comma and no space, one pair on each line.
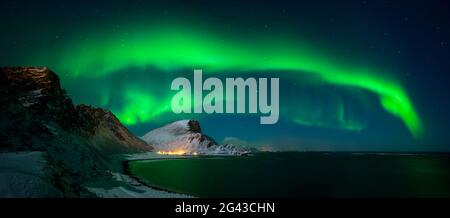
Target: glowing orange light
176,152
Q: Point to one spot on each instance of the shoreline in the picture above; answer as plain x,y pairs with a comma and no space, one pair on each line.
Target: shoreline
126,171
131,186
151,156
336,168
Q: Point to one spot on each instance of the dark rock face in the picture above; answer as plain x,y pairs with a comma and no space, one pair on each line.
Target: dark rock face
37,115
39,91
194,126
205,140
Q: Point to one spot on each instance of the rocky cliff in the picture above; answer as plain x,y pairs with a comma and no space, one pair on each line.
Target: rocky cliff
37,115
106,132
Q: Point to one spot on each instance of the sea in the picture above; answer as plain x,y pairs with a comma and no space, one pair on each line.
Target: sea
301,175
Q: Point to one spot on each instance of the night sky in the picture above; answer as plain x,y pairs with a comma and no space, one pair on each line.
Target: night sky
354,75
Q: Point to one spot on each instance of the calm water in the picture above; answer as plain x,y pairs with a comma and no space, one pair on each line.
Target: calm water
293,174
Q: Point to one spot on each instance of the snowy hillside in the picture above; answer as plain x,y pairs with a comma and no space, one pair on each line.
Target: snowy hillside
186,137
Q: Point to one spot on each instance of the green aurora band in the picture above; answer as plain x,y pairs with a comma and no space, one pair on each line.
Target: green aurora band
177,47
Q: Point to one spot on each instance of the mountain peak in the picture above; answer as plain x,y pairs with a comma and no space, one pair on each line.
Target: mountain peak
103,125
36,93
31,78
186,137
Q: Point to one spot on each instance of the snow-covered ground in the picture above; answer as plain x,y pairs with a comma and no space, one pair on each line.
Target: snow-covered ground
131,188
25,174
127,187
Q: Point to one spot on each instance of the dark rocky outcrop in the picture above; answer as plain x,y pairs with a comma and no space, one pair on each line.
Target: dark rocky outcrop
107,133
38,90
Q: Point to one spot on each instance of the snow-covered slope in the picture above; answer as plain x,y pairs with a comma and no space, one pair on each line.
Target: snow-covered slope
185,136
26,174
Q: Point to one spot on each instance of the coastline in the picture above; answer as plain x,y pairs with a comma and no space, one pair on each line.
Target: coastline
151,156
126,185
126,171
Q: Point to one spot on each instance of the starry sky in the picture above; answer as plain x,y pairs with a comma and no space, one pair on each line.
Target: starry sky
354,75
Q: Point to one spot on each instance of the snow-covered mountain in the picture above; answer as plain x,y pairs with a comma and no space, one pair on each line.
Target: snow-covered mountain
186,137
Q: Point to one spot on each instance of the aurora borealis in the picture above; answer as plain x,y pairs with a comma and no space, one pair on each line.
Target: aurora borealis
333,92
175,47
